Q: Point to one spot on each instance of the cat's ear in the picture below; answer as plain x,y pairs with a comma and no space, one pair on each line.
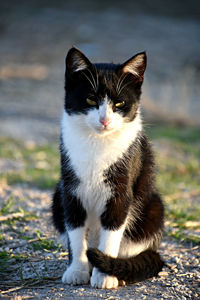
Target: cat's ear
76,61
136,65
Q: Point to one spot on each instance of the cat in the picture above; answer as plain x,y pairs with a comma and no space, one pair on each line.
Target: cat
105,205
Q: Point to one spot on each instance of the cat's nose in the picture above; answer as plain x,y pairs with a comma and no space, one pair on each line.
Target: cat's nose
104,122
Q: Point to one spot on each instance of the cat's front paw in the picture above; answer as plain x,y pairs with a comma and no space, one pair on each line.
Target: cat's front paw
103,281
75,276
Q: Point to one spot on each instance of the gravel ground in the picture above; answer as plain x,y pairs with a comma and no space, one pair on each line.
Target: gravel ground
37,274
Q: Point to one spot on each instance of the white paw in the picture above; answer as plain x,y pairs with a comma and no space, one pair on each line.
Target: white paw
75,276
103,281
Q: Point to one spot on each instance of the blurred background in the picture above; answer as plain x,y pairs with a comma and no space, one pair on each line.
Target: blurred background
34,39
36,35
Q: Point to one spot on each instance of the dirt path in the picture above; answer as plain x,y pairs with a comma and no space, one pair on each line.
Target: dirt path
38,262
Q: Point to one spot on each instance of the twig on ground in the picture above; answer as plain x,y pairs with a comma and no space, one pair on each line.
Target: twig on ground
28,284
11,216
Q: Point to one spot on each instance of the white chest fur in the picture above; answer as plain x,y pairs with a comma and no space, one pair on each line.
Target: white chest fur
92,153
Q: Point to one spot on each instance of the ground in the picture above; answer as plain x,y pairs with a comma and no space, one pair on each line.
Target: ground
35,261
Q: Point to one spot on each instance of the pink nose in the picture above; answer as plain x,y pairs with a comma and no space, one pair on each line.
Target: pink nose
105,122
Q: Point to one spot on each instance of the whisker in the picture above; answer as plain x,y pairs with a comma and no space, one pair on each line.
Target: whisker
92,84
124,86
121,82
93,79
117,87
106,82
97,77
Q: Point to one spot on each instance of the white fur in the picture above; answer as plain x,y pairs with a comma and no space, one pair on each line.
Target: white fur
93,230
134,64
128,248
92,152
105,111
110,241
78,271
79,64
102,281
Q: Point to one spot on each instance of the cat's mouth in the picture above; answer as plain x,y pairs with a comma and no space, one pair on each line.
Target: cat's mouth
104,130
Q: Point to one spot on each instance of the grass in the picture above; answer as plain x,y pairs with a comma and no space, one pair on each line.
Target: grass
40,164
18,214
7,207
43,243
177,157
4,260
11,218
179,234
178,175
176,133
8,260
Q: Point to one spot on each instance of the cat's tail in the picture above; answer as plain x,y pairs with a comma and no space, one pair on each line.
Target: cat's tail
133,269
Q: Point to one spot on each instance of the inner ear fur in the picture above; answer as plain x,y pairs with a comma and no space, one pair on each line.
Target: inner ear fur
136,65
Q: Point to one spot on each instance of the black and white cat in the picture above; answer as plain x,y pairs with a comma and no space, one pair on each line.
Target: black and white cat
105,205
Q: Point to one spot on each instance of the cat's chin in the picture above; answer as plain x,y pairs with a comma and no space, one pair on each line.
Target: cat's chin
104,131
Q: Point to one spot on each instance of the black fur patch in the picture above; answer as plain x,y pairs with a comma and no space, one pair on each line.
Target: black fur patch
150,216
57,211
67,209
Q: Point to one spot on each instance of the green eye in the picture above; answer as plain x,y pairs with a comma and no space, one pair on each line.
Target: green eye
91,102
120,104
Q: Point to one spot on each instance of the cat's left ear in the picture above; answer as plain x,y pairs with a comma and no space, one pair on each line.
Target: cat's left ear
136,65
76,61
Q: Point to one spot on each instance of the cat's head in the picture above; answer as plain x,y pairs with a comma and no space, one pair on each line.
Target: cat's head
103,96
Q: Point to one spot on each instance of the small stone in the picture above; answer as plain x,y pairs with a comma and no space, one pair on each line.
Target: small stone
176,270
163,274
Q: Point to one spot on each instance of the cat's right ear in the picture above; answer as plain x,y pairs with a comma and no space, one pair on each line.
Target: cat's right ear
136,65
76,61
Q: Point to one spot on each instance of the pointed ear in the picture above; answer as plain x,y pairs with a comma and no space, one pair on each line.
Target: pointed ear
76,61
136,65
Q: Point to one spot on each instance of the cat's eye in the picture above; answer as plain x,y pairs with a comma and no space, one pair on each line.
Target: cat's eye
91,102
120,104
